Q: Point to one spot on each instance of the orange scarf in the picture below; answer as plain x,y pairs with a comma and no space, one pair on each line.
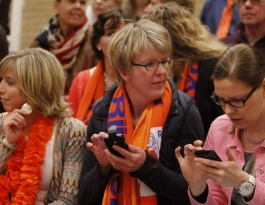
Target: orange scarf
94,90
123,189
188,82
20,184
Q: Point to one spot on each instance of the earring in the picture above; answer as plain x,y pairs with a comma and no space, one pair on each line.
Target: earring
99,49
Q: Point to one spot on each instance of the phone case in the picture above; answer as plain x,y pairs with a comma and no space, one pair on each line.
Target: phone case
207,154
115,139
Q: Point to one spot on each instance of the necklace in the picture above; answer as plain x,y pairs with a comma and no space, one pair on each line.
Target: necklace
106,82
250,140
25,164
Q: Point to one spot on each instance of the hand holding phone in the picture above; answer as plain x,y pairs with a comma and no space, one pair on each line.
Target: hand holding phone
207,154
115,139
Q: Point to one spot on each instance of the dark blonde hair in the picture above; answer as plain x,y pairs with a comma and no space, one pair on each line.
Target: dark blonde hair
241,62
191,41
40,77
188,4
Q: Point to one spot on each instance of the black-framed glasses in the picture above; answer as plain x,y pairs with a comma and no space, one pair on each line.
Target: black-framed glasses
154,64
234,103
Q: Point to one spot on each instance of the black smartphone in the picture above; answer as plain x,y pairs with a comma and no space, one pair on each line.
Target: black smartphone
207,154
115,139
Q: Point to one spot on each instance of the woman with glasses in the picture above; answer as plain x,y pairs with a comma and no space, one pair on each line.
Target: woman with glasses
195,54
238,137
153,117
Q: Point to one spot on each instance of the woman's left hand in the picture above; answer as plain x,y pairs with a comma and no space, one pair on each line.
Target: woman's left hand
132,161
228,174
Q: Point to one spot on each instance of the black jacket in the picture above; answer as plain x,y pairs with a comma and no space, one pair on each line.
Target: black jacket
205,87
241,37
183,126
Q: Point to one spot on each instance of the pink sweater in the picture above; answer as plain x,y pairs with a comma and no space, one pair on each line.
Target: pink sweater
218,138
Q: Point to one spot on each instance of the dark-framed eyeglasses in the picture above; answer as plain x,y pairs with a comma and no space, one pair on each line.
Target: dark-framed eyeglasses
154,64
234,103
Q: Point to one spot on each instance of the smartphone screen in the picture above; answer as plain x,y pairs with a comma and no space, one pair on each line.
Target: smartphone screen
207,154
115,139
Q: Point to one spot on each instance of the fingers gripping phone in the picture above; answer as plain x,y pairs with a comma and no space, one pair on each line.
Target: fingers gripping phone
115,139
207,154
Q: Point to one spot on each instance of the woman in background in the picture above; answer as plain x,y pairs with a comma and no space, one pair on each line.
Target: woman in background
195,52
67,37
91,84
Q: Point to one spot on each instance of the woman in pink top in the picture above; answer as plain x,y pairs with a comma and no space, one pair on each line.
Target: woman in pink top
238,137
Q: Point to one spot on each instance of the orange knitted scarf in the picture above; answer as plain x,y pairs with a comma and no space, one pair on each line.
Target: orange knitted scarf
122,188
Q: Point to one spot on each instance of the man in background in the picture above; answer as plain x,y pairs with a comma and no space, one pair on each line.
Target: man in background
251,29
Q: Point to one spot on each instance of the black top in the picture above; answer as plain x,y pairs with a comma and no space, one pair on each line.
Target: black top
205,87
241,37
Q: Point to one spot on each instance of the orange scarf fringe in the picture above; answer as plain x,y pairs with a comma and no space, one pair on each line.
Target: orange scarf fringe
20,184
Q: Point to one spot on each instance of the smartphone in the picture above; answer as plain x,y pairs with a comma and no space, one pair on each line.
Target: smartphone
115,139
207,154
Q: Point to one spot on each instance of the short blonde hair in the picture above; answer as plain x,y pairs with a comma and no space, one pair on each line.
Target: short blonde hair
40,77
134,37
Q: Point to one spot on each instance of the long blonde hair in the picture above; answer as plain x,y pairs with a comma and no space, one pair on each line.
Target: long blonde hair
190,39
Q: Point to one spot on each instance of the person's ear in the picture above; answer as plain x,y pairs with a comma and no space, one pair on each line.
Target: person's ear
123,74
263,87
56,4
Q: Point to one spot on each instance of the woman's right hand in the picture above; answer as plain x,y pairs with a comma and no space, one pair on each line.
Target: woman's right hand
190,169
13,125
97,146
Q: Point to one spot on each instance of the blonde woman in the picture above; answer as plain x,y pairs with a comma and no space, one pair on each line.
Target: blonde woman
41,146
154,118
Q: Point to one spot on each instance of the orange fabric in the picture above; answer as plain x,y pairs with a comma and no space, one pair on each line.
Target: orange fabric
77,89
23,169
94,90
188,82
225,20
150,123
